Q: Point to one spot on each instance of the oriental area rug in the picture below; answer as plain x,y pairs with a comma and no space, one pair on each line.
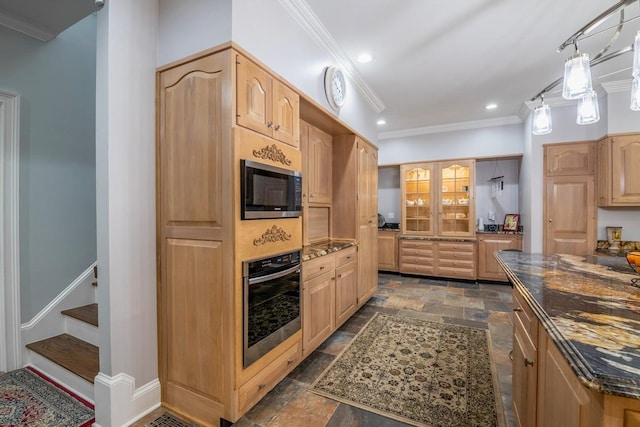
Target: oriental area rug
30,399
419,372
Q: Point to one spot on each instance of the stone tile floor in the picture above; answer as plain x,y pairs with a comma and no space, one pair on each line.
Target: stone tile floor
486,306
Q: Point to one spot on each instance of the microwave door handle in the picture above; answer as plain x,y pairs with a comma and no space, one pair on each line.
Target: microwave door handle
277,275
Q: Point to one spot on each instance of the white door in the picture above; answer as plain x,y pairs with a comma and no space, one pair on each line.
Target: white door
9,248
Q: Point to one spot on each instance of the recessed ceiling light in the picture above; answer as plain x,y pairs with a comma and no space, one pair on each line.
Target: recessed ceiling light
363,58
491,106
381,122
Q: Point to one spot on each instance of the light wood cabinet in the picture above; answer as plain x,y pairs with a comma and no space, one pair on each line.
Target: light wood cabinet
346,285
488,267
569,198
266,105
438,198
618,171
456,204
317,149
329,288
355,189
418,198
388,250
417,257
546,390
456,259
570,159
318,303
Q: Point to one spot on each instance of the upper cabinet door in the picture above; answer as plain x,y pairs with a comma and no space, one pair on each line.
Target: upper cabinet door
254,100
418,184
456,202
286,109
265,104
570,159
319,157
625,156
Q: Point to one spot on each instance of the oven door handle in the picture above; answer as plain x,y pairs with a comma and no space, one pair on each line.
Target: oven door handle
272,276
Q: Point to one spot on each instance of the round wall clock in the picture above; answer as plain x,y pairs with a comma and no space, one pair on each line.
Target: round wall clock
335,87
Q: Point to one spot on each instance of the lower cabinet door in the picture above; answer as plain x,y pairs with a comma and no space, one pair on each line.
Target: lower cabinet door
524,379
346,292
318,311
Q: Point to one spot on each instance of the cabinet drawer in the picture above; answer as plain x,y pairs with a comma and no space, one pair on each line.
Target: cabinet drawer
416,244
448,255
426,253
317,266
416,260
458,263
263,382
456,247
417,269
346,256
461,272
524,317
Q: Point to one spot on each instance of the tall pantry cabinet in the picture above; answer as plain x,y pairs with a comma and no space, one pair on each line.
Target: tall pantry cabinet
215,108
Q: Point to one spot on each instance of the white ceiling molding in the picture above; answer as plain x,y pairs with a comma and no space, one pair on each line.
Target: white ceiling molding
35,31
451,127
617,86
308,20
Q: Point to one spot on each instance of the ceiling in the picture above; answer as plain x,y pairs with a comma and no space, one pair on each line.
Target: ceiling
436,64
439,63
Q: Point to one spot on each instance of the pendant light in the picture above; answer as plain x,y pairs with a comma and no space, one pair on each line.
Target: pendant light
577,76
636,56
541,121
635,94
588,111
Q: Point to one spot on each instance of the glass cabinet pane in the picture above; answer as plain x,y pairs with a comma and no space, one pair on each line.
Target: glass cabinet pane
417,199
455,199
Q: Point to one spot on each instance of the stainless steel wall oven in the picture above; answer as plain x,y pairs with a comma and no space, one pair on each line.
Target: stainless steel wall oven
271,311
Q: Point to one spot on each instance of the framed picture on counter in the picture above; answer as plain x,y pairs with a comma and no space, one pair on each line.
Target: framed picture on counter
511,222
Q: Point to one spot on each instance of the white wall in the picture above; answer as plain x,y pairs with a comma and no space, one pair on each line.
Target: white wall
125,173
389,193
56,83
483,142
186,27
499,202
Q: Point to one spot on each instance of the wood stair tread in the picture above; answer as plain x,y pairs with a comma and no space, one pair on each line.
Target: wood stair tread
71,353
86,313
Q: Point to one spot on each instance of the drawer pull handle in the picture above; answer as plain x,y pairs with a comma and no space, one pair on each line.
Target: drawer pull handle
269,124
261,386
528,362
289,361
511,355
517,309
322,267
277,128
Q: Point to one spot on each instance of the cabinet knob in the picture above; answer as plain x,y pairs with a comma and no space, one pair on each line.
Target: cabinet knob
269,124
528,362
277,128
517,309
289,361
261,386
549,220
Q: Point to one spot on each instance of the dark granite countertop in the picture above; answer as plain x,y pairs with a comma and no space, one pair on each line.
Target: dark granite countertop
324,248
591,311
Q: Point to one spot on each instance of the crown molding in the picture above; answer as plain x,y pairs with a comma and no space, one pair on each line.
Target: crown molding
451,127
308,20
35,31
617,86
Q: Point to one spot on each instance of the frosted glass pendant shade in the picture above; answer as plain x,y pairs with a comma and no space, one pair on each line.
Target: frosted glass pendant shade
588,111
541,121
636,56
577,76
635,94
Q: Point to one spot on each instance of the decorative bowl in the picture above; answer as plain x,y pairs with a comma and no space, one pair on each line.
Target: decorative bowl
633,258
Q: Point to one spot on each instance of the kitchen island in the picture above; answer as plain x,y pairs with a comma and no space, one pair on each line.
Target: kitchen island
576,356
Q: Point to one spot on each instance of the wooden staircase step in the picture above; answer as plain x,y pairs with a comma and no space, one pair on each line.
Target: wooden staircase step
86,313
71,353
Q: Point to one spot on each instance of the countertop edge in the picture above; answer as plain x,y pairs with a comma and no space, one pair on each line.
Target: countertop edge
605,385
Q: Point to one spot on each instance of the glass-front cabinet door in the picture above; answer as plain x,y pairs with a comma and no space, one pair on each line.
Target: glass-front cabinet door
456,202
417,182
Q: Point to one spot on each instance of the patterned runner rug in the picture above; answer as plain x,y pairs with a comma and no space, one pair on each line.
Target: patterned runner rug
30,399
418,372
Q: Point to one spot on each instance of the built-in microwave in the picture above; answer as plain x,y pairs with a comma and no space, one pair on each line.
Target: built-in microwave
269,192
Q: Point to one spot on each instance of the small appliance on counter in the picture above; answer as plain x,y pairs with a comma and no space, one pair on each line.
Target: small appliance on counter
614,236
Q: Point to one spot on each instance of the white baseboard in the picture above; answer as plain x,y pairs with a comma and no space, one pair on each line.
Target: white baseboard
119,403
